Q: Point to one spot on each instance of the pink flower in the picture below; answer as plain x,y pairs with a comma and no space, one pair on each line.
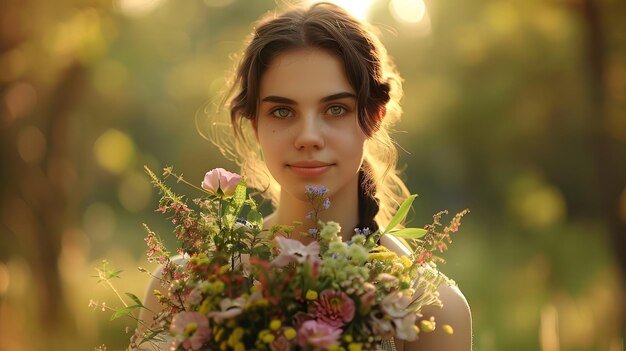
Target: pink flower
293,250
334,308
318,334
221,182
190,329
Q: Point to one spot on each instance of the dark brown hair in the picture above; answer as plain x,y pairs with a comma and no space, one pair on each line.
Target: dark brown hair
369,71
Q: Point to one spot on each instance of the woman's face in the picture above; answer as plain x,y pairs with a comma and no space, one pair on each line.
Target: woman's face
307,123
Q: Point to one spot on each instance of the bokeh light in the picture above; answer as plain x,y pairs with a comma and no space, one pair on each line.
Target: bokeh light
114,150
409,11
137,8
20,99
135,192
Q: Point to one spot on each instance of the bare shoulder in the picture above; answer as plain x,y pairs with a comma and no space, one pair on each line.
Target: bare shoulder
455,313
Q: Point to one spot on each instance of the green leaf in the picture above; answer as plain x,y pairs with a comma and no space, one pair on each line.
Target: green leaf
235,205
124,311
401,214
255,218
135,298
409,233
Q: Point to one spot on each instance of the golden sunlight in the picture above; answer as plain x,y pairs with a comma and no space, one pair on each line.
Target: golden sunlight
137,8
409,11
359,9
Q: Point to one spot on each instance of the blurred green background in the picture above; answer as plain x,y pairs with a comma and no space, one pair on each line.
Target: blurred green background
515,109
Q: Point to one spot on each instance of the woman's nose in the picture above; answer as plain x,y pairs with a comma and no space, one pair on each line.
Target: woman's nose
309,133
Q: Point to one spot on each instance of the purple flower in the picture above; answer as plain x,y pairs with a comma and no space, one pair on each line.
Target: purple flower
326,204
313,232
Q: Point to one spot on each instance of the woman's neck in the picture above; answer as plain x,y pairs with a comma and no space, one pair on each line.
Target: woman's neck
344,210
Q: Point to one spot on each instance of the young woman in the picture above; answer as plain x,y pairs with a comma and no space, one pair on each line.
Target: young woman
311,103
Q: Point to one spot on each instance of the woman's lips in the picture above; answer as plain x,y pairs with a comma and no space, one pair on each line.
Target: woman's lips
310,169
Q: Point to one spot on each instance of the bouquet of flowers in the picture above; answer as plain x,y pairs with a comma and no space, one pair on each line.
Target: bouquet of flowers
234,286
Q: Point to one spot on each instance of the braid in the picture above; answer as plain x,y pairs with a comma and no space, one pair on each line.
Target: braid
368,203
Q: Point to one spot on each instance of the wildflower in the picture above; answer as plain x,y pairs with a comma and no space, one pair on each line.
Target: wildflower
290,333
221,182
380,325
190,329
447,328
293,250
405,327
229,308
311,295
427,325
334,308
318,334
330,230
275,324
353,346
395,304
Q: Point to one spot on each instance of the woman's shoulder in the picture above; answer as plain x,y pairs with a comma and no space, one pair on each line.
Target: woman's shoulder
455,312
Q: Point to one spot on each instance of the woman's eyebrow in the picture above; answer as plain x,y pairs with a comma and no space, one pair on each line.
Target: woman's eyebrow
284,100
279,100
338,96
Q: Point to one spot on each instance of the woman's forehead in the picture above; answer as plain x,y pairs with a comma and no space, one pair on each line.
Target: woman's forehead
304,74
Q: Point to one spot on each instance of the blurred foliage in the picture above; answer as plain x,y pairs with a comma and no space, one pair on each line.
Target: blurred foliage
515,109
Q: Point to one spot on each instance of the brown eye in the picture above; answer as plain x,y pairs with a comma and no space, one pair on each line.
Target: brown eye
336,110
281,113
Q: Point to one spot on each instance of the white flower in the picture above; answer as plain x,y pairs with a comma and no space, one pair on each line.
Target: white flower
293,250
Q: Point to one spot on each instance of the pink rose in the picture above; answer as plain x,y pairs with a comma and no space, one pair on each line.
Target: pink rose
318,334
221,182
190,329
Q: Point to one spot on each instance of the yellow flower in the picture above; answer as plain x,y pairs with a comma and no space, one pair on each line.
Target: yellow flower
235,337
333,347
406,262
218,334
240,347
275,324
382,256
268,338
217,287
354,346
223,346
447,328
290,333
427,326
347,338
205,307
224,269
311,295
